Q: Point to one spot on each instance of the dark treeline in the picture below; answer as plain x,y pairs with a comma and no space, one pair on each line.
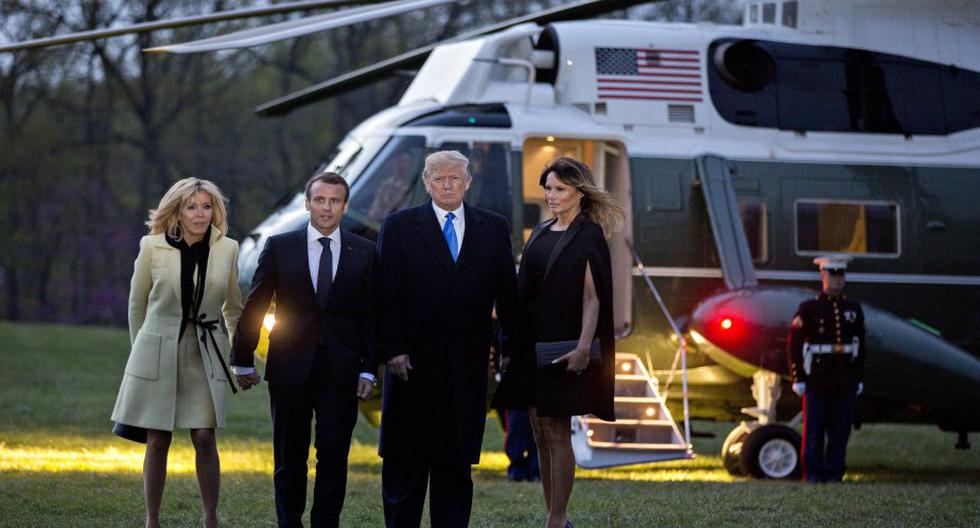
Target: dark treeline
92,134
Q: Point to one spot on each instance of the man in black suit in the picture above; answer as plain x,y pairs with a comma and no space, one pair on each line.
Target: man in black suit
444,266
321,350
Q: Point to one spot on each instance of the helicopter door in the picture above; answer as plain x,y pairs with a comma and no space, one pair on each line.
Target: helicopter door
611,171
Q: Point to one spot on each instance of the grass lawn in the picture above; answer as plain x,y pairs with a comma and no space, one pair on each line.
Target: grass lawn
60,465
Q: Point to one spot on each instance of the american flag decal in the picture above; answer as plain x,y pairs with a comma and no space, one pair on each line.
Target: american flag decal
648,74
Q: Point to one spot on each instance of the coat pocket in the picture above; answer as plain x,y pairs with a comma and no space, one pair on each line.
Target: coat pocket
144,359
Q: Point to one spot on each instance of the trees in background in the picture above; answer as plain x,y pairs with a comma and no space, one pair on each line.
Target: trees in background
92,134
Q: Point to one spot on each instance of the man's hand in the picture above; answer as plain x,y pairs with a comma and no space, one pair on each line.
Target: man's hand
799,388
248,381
860,388
577,359
400,365
364,388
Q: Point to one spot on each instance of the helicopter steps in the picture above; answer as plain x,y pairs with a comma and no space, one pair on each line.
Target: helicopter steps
644,430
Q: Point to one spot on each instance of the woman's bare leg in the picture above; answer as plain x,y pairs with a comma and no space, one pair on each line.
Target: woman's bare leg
208,473
155,473
557,432
544,455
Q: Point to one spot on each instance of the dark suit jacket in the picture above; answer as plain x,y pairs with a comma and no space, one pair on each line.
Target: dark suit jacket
439,312
344,327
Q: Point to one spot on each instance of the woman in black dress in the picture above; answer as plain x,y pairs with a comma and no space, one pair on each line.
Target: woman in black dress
565,284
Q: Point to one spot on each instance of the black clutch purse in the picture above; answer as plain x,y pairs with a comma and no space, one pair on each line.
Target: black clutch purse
547,353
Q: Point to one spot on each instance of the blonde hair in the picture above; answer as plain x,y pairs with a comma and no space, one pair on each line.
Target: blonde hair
598,204
445,158
166,217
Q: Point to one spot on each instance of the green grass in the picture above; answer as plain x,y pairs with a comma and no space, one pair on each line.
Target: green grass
60,466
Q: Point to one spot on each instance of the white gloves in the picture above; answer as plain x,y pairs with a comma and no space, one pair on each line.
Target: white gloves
860,388
800,387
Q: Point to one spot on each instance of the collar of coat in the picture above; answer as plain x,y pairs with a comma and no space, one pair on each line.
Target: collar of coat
566,237
431,233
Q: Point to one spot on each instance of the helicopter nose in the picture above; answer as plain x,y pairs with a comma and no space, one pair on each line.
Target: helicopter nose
747,327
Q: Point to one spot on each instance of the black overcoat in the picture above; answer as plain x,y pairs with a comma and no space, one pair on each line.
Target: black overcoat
551,310
439,312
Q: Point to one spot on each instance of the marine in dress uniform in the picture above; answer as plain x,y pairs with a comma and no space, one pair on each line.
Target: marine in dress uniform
826,354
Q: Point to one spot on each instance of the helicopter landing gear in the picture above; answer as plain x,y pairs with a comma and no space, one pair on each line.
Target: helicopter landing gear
763,449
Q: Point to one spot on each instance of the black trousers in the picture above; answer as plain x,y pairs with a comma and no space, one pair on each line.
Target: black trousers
293,409
827,421
403,485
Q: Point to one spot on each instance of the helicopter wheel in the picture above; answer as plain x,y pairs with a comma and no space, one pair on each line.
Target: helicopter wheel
731,450
772,452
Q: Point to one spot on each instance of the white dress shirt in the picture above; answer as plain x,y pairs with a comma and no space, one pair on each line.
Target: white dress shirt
459,223
313,251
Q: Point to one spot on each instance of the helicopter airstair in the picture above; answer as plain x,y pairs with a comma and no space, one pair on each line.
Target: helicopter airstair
644,430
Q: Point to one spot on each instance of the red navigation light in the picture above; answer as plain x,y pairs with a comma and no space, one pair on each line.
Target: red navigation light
726,324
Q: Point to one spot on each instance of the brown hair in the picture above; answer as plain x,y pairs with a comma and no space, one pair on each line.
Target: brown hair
597,204
166,217
331,178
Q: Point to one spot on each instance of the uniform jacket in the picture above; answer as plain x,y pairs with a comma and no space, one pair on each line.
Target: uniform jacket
147,395
828,321
439,312
344,326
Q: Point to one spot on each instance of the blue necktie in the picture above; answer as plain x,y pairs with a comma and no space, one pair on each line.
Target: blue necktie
449,231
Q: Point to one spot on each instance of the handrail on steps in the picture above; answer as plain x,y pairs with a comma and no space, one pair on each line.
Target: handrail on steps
682,348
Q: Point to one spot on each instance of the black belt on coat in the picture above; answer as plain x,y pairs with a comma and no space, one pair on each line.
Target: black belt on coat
209,327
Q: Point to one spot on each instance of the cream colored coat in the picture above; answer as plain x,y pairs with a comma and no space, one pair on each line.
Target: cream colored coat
147,396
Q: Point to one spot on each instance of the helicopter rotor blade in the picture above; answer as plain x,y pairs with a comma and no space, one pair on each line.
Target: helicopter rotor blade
414,58
298,28
146,27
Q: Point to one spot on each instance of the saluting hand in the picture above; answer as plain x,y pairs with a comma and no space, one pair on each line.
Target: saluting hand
400,365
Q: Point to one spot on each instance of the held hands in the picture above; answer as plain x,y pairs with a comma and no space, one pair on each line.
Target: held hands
248,381
364,388
577,359
799,388
399,366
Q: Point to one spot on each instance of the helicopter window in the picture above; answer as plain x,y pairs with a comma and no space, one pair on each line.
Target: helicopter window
830,89
863,228
386,184
753,215
790,13
478,115
769,13
491,171
342,157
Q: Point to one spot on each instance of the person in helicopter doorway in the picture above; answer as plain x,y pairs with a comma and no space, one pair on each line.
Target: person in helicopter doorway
826,354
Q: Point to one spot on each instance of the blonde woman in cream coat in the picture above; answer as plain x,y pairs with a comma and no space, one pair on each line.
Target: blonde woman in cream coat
183,296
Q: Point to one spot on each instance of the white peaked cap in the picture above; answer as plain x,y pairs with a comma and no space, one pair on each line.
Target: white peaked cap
832,262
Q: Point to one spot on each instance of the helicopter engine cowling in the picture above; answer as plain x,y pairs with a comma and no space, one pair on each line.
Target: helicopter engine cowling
911,374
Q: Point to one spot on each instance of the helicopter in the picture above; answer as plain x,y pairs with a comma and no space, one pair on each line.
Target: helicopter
739,153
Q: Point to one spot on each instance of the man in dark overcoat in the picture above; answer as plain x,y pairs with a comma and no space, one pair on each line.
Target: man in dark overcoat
444,266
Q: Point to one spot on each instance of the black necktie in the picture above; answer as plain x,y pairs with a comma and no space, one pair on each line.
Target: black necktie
324,277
